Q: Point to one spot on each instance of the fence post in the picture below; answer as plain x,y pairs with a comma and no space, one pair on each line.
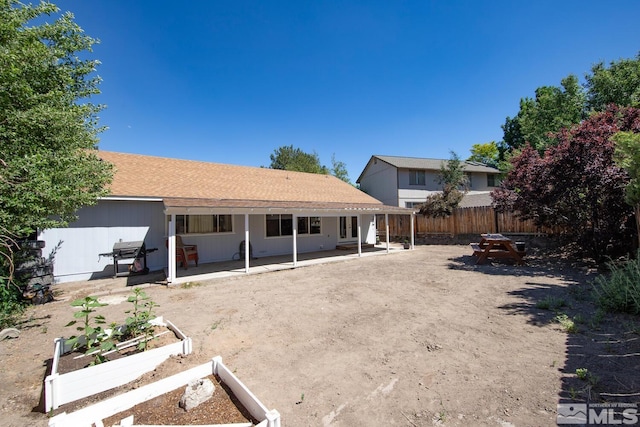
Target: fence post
455,222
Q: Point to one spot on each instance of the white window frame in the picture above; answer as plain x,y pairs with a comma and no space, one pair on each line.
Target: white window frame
417,177
215,229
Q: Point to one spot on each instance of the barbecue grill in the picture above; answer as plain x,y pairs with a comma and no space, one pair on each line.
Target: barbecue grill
130,250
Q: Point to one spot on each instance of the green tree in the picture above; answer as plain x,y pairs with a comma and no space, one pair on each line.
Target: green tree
339,169
487,154
627,156
454,186
294,159
619,84
552,109
49,166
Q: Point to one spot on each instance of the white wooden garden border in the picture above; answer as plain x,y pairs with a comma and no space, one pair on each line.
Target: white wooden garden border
95,414
64,388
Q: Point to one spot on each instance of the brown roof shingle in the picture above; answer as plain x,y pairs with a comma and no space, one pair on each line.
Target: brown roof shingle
149,176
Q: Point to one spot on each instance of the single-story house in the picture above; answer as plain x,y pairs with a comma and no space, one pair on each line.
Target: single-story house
408,181
216,207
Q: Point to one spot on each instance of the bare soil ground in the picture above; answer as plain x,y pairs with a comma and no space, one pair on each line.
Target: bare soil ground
416,338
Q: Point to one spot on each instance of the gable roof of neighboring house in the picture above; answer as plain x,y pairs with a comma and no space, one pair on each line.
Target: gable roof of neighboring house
189,183
426,164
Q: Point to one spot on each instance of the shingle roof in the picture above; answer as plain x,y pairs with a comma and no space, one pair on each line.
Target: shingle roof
476,199
203,183
429,164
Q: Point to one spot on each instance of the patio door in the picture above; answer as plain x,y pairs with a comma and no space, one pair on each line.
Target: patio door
348,229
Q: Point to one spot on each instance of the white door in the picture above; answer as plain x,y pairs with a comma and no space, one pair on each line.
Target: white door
348,229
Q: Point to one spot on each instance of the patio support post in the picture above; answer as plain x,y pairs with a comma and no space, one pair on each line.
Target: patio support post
413,216
386,226
359,234
246,241
171,248
295,241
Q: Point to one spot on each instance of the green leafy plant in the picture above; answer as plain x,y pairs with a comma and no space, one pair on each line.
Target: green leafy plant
11,305
567,323
582,373
620,290
597,318
141,314
92,338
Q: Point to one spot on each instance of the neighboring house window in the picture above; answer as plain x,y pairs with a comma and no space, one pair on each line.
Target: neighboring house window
416,177
282,225
412,205
203,224
491,180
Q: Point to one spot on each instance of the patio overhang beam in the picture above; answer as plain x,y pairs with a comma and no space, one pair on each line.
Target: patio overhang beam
195,210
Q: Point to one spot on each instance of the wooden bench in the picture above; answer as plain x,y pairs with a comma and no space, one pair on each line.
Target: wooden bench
477,250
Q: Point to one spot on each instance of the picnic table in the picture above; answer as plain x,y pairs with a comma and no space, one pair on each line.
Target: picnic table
496,246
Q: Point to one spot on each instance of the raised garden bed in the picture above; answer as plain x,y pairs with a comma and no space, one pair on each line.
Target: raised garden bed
61,388
96,414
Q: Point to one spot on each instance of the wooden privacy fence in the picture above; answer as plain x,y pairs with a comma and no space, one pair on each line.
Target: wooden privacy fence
474,220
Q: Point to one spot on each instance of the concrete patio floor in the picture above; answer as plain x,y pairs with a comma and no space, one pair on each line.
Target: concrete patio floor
216,270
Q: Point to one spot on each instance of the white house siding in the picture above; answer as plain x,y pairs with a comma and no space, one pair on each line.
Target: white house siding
479,182
381,182
409,195
223,247
97,229
430,181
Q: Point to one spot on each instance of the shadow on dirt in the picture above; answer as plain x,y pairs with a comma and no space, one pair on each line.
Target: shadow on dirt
602,357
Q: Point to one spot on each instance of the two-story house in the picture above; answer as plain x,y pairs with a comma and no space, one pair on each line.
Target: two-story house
407,181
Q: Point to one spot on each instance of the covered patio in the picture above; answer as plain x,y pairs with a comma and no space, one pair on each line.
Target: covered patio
356,223
225,269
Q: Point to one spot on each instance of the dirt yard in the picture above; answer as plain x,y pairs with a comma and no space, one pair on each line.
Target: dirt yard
416,338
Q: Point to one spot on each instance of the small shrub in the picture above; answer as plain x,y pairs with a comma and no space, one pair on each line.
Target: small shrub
584,375
11,304
620,290
567,323
551,303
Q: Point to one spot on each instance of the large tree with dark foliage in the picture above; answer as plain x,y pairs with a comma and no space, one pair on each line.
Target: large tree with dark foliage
576,185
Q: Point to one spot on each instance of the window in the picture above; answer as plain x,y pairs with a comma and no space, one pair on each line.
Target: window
203,224
279,225
309,225
491,180
282,225
416,177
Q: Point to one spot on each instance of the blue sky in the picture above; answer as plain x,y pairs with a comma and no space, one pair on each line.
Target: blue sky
231,81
